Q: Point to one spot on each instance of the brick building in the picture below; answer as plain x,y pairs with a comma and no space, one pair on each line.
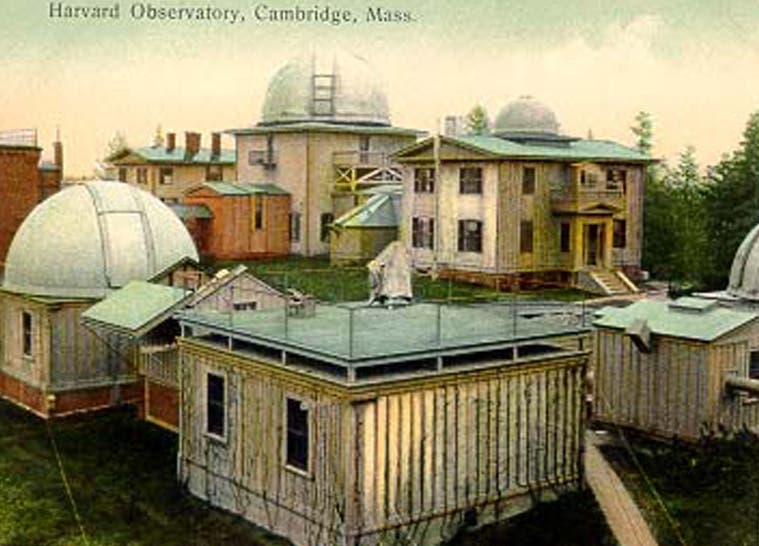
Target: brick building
24,180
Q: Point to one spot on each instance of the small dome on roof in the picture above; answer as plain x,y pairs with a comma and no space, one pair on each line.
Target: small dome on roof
744,273
94,237
336,88
526,115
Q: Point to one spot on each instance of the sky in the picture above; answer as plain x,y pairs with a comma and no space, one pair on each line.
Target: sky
693,65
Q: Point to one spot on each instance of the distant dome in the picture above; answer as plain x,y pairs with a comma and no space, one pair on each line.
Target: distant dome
337,88
526,115
744,274
94,237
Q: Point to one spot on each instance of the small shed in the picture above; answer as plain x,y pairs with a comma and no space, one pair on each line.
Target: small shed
236,221
362,232
673,368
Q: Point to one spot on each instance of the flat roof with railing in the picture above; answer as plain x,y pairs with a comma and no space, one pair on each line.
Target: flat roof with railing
19,137
355,341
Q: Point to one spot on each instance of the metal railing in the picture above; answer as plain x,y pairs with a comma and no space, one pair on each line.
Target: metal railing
358,158
19,137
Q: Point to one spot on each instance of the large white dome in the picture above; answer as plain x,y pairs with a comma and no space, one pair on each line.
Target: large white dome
526,115
335,88
744,273
94,237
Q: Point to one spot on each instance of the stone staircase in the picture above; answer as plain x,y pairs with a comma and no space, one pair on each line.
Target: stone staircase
608,282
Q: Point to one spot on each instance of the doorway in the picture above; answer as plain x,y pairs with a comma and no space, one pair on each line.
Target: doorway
594,238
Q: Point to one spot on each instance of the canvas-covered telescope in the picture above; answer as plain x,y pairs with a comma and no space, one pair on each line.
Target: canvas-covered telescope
390,276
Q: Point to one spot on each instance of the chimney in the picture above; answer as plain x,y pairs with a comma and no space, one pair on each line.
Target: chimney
215,145
58,154
171,141
192,144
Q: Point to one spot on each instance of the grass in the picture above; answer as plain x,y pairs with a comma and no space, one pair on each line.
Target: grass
122,477
315,276
710,490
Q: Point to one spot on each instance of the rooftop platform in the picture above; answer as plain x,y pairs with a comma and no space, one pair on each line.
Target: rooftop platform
357,341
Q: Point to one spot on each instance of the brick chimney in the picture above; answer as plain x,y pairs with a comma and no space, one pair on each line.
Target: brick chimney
215,145
58,154
171,142
192,144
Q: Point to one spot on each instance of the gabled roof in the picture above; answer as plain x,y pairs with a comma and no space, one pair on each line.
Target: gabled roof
150,154
379,211
237,188
689,318
501,148
322,127
224,279
136,308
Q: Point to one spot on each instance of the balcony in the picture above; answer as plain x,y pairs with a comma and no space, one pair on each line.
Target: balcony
574,199
357,168
19,137
266,158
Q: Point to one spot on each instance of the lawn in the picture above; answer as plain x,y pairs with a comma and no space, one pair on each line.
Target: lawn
121,474
699,495
315,276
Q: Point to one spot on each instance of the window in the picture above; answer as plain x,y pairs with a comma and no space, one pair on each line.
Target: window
588,179
363,146
142,175
297,434
753,366
258,217
470,180
525,236
295,226
616,179
214,173
166,175
470,236
122,174
528,180
245,305
215,405
423,232
26,333
566,234
424,180
326,221
620,234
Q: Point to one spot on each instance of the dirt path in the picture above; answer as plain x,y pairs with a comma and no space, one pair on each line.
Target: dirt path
622,514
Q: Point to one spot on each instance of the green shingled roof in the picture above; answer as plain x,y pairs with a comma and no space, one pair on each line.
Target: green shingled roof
577,150
315,126
236,188
683,318
177,155
191,211
135,308
379,211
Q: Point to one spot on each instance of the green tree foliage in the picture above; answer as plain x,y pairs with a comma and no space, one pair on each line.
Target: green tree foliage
732,202
643,129
118,143
477,120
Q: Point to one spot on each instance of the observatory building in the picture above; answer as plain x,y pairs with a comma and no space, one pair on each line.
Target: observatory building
325,137
526,204
72,251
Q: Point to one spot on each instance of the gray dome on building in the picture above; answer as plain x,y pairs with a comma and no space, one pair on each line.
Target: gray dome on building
94,237
334,88
526,115
744,273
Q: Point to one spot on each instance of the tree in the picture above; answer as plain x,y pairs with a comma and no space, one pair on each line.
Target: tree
158,139
643,129
732,202
477,120
117,144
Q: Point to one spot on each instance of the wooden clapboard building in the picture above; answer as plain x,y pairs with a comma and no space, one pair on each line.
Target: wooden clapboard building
525,204
241,221
72,251
349,424
686,367
141,317
325,137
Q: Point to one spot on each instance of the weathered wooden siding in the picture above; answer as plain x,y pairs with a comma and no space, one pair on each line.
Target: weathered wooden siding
244,289
34,370
397,462
633,215
675,390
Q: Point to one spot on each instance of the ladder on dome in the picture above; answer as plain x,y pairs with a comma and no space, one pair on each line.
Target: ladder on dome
323,94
